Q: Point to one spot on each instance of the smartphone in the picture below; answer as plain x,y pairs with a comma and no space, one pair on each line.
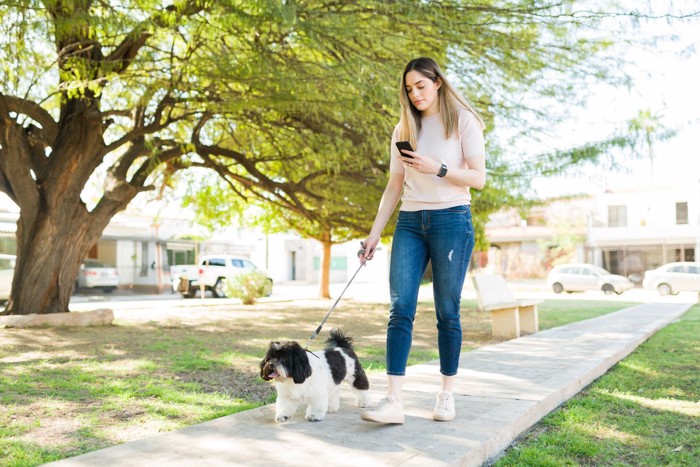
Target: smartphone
404,145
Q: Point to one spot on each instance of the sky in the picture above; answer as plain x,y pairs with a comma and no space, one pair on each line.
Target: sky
667,82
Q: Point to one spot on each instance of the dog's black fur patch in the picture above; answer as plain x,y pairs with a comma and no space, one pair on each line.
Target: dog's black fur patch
336,362
361,382
338,339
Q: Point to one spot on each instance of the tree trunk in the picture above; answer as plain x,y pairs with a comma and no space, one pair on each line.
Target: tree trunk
324,291
49,254
55,230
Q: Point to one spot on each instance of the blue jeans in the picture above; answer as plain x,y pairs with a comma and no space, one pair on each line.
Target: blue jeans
446,238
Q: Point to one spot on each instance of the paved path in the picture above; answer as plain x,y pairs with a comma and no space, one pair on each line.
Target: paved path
502,390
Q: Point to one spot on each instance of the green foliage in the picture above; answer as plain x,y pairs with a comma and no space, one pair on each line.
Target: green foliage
248,287
568,236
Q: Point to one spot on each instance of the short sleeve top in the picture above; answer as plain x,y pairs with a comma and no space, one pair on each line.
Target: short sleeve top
428,191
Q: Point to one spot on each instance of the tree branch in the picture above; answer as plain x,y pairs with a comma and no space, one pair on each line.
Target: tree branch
49,129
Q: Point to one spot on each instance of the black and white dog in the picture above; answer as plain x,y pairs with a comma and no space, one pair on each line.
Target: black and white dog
314,378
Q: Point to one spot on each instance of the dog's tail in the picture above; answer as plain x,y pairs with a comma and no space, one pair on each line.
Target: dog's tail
338,339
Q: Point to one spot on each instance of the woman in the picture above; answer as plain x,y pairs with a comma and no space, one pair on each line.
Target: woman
434,223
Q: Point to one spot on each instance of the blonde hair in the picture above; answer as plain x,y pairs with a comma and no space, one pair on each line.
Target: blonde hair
449,98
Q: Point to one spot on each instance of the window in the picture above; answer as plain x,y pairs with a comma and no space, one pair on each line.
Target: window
144,259
617,216
215,262
682,213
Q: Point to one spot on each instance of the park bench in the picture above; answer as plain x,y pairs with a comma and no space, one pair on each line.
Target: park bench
510,318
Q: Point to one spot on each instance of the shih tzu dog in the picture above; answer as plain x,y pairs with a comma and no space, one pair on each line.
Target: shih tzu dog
314,378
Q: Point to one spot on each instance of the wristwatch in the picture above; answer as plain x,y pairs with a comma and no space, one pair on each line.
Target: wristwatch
443,171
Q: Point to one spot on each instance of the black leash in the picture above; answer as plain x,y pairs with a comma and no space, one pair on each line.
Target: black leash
320,326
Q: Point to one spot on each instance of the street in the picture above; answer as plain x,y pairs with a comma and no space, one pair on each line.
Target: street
359,291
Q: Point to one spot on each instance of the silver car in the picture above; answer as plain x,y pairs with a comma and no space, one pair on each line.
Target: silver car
7,272
577,277
672,278
95,274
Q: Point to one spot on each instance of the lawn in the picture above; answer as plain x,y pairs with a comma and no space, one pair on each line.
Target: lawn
644,411
66,391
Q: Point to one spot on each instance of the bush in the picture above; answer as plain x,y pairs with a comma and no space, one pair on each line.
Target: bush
248,287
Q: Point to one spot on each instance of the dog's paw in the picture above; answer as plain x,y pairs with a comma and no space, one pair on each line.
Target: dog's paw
314,418
282,418
363,400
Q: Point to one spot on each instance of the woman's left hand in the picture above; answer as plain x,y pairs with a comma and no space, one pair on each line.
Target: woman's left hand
422,164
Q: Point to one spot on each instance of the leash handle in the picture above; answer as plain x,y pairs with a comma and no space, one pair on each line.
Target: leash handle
320,326
362,251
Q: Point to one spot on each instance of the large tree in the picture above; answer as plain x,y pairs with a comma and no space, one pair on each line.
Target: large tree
131,92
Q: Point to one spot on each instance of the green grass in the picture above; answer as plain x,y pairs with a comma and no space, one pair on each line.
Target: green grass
554,313
67,391
644,411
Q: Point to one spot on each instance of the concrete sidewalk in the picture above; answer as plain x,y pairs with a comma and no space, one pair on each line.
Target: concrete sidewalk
502,390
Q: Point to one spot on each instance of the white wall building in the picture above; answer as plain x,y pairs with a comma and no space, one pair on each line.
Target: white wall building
636,230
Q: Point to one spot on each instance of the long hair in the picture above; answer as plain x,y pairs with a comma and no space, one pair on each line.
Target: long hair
449,98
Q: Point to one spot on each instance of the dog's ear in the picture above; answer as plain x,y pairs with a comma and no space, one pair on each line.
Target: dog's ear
299,366
268,356
263,362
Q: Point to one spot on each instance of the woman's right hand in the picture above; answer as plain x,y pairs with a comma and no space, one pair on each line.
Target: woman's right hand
368,248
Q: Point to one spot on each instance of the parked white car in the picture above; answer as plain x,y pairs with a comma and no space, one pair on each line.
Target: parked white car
95,274
672,278
211,271
7,272
577,277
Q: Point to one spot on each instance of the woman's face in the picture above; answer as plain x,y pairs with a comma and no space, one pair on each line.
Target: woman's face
423,92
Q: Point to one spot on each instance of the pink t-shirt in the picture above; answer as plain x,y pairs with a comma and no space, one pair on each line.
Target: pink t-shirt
428,191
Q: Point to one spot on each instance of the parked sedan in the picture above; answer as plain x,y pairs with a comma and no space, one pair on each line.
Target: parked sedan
577,277
672,278
7,272
95,274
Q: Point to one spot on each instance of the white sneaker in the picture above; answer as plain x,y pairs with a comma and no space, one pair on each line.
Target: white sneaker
388,410
444,407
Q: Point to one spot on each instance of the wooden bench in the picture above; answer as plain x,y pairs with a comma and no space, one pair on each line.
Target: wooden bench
510,318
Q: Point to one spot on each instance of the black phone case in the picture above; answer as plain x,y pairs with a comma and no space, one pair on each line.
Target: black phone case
404,145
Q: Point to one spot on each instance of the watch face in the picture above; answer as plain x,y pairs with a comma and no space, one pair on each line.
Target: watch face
443,171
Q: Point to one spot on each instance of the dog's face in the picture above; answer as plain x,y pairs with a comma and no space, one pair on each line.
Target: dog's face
285,360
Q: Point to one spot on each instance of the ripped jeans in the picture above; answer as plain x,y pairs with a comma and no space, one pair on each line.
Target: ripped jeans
446,238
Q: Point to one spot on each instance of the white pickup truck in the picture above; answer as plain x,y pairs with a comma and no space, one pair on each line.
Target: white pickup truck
211,271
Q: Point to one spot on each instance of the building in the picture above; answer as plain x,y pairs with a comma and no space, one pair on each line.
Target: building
637,230
624,231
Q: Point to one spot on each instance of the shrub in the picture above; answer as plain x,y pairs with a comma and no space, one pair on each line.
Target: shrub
248,287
